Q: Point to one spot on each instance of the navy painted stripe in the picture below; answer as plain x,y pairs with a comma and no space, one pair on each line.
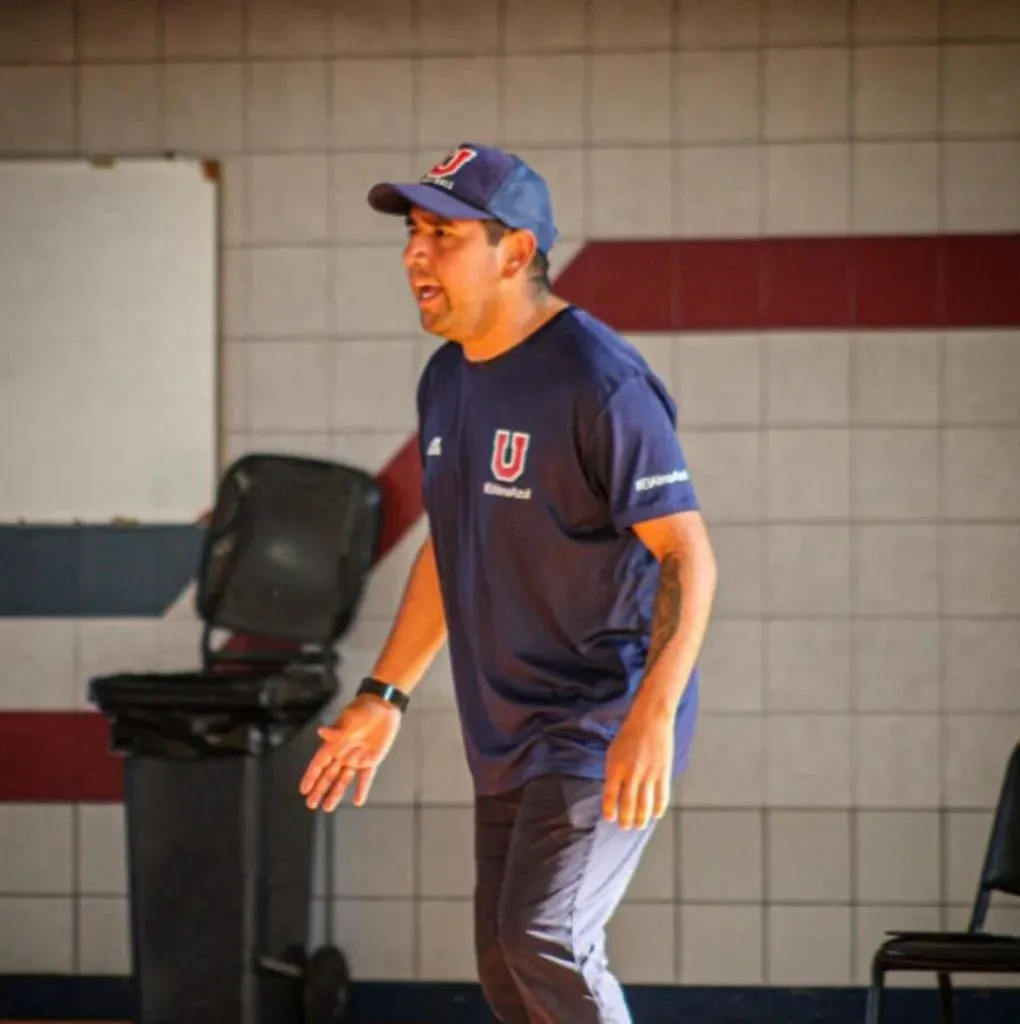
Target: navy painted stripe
45,997
96,571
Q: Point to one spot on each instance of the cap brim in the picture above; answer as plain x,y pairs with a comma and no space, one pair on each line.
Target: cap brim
387,197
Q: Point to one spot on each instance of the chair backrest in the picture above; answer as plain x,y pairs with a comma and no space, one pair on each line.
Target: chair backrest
289,547
1001,869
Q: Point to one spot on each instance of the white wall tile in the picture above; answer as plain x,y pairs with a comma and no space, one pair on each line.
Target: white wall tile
203,28
645,26
721,945
740,556
981,470
446,848
445,930
288,294
896,378
40,32
543,102
727,764
286,106
895,187
299,29
799,22
533,26
808,379
351,175
631,193
982,19
982,371
897,570
110,30
721,857
120,109
203,108
40,861
981,566
374,851
809,856
36,935
809,945
888,21
718,380
806,94
388,122
981,661
899,857
808,665
807,474
977,749
967,835
383,26
458,100
37,110
897,761
982,186
895,474
655,880
982,90
640,944
896,91
39,660
896,665
732,666
371,292
104,937
631,97
375,385
443,768
377,936
718,96
808,189
726,468
102,850
458,26
289,385
288,201
807,570
808,761
720,191
705,24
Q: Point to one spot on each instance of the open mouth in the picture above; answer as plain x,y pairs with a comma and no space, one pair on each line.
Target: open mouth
427,294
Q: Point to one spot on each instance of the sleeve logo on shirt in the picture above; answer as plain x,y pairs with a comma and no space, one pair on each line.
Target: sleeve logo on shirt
509,455
648,483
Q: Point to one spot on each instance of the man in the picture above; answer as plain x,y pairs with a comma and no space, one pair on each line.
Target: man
569,569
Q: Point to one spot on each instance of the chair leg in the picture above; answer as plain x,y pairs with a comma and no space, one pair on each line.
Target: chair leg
875,993
946,1001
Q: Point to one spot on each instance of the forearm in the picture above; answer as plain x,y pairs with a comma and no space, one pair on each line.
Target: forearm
419,629
683,606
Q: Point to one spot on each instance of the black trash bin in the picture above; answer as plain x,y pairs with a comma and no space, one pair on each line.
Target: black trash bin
220,844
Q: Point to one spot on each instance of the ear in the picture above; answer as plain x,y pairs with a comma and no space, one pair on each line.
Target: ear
519,248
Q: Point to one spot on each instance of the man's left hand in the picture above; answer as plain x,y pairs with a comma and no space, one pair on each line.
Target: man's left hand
639,766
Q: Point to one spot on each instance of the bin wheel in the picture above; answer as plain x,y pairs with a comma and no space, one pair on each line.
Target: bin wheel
327,987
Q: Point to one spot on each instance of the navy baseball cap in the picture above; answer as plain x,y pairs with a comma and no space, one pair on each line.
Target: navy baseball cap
476,183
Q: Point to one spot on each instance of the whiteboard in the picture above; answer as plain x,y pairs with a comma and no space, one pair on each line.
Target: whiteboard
108,340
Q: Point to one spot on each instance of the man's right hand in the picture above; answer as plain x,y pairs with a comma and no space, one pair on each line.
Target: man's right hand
352,750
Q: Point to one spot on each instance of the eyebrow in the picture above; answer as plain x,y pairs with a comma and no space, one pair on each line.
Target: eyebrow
432,219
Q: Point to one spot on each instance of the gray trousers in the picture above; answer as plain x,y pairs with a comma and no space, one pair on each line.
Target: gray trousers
549,874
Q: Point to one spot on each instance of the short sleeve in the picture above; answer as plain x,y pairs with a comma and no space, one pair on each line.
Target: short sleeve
635,457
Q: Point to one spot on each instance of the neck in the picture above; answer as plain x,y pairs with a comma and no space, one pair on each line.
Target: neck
515,323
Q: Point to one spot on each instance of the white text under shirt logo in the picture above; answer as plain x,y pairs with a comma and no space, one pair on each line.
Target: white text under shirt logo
509,457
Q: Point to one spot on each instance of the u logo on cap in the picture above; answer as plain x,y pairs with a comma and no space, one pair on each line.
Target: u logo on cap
453,163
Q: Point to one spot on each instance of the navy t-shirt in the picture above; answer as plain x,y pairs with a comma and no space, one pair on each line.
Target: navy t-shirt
536,463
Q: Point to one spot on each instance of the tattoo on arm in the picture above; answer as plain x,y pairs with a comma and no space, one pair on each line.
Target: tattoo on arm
666,618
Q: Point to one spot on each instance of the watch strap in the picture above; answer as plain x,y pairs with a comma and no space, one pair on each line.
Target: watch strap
386,691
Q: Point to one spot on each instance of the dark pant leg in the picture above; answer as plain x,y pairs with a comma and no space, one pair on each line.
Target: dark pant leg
566,872
495,818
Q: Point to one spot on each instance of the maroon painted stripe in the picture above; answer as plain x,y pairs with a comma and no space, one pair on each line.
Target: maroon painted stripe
893,283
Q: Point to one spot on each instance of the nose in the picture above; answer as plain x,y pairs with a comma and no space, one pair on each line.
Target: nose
415,252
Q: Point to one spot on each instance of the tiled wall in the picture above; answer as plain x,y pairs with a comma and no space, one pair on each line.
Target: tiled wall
861,689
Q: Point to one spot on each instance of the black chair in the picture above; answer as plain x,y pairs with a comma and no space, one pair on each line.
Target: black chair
974,951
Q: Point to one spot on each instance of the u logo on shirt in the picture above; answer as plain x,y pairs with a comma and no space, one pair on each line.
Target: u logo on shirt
509,455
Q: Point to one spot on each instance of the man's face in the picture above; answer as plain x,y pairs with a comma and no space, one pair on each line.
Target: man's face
455,275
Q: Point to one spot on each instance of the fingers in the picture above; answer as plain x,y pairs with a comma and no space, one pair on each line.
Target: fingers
366,776
635,800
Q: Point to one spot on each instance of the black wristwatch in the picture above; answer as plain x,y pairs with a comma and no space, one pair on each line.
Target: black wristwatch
387,691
